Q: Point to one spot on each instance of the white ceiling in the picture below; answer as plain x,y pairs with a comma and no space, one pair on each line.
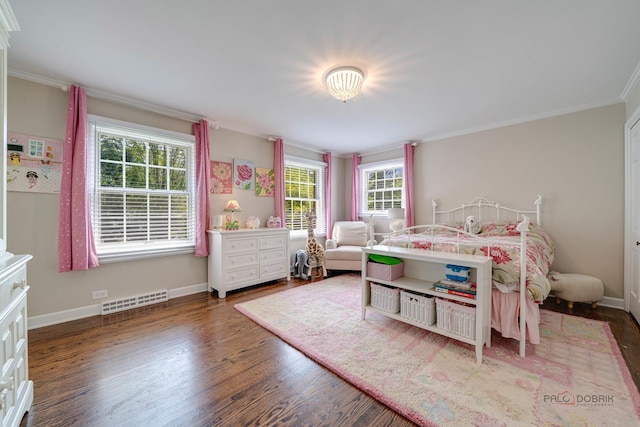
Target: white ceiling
433,67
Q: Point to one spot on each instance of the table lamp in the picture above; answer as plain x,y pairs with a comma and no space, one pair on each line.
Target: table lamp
232,206
396,215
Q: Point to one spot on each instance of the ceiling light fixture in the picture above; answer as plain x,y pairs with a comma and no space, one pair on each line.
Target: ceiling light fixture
344,83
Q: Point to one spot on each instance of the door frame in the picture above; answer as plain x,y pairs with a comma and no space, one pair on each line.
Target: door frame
628,241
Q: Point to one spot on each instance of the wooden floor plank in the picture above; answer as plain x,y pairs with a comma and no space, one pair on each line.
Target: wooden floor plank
196,361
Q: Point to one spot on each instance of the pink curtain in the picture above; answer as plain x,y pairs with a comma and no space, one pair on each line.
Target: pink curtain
327,194
76,247
203,173
355,186
409,217
278,172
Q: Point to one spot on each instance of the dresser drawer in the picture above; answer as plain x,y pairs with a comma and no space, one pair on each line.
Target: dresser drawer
11,285
240,244
273,242
244,275
267,257
277,270
241,260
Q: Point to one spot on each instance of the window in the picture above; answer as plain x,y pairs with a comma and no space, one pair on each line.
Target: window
143,195
381,187
304,191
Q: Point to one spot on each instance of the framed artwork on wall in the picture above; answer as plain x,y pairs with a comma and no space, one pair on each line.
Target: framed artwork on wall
265,182
243,171
221,177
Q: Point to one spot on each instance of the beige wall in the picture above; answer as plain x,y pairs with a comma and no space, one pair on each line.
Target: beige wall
227,145
32,218
575,161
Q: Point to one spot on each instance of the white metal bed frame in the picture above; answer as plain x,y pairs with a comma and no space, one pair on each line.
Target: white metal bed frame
478,207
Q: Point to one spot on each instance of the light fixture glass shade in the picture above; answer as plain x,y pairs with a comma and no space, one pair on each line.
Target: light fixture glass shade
396,215
232,206
344,83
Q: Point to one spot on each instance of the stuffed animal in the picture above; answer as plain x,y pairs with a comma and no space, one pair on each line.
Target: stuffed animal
301,266
471,225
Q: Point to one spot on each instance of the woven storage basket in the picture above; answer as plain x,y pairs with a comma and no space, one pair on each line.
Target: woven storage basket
385,298
456,318
417,307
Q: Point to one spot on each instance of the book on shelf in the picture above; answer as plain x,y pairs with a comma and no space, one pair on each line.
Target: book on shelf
461,293
456,284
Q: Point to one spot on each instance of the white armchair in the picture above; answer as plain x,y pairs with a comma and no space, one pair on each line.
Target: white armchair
344,250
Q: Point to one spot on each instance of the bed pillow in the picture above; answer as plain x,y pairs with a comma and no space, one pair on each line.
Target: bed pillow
352,235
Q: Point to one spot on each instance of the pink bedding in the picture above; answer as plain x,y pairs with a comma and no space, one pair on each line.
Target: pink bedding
506,259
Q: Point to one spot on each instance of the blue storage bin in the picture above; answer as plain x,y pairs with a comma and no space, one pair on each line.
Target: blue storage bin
457,272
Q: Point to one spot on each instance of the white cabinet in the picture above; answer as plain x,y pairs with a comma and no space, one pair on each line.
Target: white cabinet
422,268
16,391
246,257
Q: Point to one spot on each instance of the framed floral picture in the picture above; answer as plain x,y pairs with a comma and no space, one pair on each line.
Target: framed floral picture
243,171
221,178
265,182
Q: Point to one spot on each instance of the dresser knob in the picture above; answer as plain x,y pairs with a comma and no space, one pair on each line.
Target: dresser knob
21,284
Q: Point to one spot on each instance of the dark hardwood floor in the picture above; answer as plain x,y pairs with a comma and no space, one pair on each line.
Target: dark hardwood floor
196,361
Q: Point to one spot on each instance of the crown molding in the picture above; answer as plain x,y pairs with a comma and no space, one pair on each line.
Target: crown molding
8,23
631,84
526,119
106,96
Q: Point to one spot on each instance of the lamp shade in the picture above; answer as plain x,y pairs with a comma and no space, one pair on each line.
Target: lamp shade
233,206
395,213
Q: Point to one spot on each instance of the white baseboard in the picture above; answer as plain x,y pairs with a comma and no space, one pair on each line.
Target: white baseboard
607,302
35,322
187,290
612,303
64,316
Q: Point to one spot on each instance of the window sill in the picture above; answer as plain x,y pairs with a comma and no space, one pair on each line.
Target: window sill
109,258
299,237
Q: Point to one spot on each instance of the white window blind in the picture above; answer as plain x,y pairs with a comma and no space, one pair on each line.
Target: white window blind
143,190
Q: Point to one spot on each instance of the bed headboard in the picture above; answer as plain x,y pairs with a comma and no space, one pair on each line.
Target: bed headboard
486,211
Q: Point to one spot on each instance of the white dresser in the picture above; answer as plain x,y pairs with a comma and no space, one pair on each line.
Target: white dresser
16,391
246,257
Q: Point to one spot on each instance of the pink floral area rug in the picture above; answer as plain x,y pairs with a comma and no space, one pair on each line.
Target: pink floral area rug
575,376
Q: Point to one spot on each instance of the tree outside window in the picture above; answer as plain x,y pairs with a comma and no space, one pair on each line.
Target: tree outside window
381,187
144,189
304,191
